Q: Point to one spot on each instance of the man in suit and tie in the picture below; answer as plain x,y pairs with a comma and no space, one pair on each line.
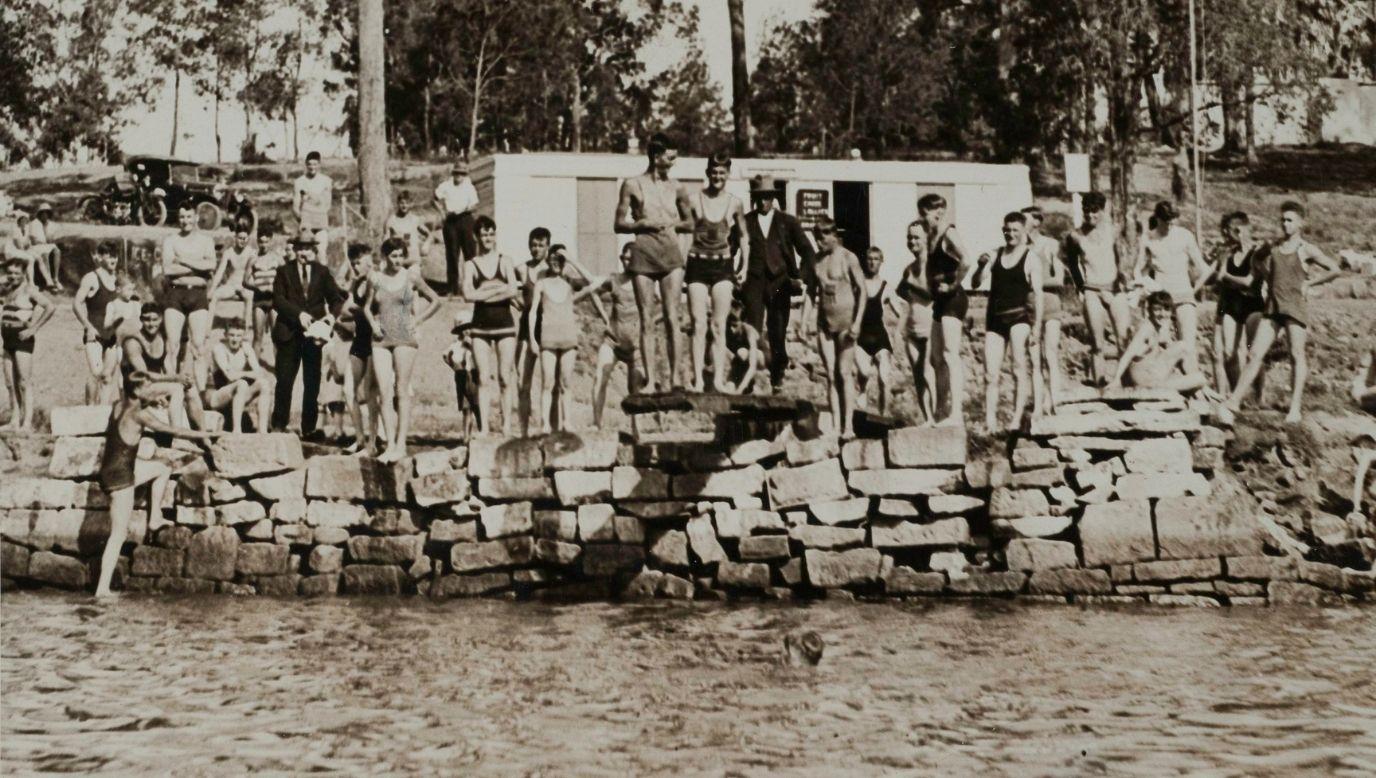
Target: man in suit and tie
773,273
303,293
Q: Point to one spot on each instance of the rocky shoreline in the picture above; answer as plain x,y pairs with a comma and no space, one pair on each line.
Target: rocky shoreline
1124,498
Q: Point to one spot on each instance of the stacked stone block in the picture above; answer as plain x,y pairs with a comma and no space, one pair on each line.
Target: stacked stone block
1113,499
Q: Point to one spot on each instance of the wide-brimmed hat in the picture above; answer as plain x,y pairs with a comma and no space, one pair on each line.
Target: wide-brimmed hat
22,216
763,184
463,320
305,238
43,207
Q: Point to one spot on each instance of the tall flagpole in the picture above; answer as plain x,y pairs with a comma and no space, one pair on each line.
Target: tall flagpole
1194,130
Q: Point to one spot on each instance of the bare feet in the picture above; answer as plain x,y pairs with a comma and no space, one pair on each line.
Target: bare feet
1225,415
1293,417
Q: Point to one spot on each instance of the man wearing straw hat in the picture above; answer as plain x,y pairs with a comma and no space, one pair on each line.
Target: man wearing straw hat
457,200
773,273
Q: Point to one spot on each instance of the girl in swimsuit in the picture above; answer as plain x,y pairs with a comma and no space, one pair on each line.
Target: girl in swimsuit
356,332
391,295
25,310
490,283
874,357
946,269
713,266
619,343
121,471
97,290
236,377
840,312
555,338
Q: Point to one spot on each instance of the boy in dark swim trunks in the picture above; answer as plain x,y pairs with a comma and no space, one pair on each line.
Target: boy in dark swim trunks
946,269
91,304
1014,318
1284,269
122,471
874,357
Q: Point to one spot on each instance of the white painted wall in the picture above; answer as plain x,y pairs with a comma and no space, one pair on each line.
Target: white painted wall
524,203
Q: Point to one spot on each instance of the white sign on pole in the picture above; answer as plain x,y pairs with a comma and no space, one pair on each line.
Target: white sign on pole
1077,173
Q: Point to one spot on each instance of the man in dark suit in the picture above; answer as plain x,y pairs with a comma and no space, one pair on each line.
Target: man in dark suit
773,273
304,292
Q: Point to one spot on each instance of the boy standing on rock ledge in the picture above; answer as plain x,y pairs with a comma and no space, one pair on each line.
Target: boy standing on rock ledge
1284,272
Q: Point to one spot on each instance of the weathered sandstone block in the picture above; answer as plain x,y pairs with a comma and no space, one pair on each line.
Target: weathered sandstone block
948,504
505,520
635,483
374,579
531,488
814,536
596,523
212,554
603,560
29,492
61,571
909,534
906,482
78,419
240,455
1159,455
320,513
831,569
670,549
817,482
576,487
1065,581
326,559
494,456
1017,503
764,547
702,538
446,488
1040,555
1189,527
581,451
987,584
390,549
556,525
1144,486
749,575
905,580
152,560
805,452
263,559
1117,532
864,454
472,557
927,447
1031,526
719,485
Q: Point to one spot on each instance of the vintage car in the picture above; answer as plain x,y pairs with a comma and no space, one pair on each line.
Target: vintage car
150,189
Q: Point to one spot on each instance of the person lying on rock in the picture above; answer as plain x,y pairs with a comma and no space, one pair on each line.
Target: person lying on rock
121,471
1155,358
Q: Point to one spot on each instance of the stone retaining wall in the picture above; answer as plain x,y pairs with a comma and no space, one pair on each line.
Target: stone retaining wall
1118,499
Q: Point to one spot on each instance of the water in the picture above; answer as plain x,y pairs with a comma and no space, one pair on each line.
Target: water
220,685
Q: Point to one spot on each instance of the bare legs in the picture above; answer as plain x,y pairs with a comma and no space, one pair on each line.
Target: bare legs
1046,395
1099,319
993,366
670,286
18,367
950,373
924,377
838,355
122,511
1267,332
392,369
529,361
1187,326
607,360
557,367
867,367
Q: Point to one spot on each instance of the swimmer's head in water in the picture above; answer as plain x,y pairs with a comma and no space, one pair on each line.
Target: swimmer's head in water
804,647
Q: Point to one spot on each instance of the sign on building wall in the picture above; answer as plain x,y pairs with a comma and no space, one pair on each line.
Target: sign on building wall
811,205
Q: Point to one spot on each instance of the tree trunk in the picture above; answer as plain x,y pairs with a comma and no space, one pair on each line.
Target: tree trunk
372,117
1121,153
576,112
1164,134
740,81
477,98
176,108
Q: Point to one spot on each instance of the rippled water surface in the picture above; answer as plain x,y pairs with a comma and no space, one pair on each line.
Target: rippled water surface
221,685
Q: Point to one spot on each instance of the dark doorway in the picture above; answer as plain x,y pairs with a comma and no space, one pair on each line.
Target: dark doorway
852,211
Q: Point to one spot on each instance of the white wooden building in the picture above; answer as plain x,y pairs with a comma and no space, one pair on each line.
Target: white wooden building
575,195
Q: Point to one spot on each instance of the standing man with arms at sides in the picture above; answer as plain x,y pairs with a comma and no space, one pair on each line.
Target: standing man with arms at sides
457,201
1284,269
841,303
946,268
97,290
1166,253
527,348
25,310
188,266
772,273
303,292
654,208
1048,251
718,231
917,321
312,198
1091,252
47,254
405,225
1014,317
491,284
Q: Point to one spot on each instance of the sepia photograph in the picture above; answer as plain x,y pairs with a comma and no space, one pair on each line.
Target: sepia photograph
688,387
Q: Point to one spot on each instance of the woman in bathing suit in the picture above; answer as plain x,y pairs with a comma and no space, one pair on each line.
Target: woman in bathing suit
392,293
555,339
875,355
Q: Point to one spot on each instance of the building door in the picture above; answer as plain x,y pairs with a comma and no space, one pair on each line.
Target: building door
853,215
598,245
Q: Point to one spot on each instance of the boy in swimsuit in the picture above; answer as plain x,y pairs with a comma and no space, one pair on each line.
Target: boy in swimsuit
1048,251
122,471
655,208
1091,252
25,311
1284,273
529,361
236,377
1014,318
1153,359
714,263
91,305
555,340
258,277
946,269
841,303
874,357
917,321
145,352
228,281
1239,300
619,341
1166,255
490,282
459,358
188,267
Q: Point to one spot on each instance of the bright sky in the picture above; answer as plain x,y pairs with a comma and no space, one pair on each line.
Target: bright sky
151,132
